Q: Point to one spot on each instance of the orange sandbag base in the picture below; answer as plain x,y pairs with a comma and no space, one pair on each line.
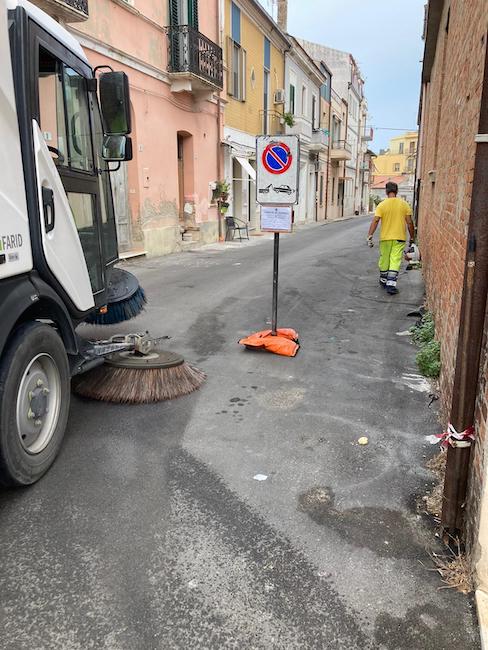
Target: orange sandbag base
285,342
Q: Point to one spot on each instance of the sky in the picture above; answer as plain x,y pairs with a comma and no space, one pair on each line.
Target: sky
384,36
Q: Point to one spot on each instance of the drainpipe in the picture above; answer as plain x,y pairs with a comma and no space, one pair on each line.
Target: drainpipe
473,313
219,21
328,153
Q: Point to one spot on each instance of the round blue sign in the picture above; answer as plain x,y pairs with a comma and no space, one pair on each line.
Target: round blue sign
277,158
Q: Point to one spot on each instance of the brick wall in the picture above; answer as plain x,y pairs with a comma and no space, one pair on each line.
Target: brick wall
450,119
478,458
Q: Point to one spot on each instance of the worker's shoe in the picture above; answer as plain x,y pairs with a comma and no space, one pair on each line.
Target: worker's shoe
391,281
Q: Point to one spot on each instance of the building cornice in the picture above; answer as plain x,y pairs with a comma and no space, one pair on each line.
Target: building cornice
128,7
258,14
114,53
434,15
298,54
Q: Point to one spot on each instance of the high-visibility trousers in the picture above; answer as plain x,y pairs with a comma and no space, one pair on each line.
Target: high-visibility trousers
391,253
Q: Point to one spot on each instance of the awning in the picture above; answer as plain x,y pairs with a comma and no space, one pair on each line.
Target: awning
247,167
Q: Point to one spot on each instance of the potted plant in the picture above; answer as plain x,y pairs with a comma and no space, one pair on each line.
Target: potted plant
288,119
224,206
221,191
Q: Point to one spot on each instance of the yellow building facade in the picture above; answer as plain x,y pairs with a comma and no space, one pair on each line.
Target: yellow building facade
400,157
254,63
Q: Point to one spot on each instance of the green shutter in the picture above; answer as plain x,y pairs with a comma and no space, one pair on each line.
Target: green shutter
174,35
193,13
173,12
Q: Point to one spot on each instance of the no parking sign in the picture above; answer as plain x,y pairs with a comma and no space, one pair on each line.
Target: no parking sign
278,165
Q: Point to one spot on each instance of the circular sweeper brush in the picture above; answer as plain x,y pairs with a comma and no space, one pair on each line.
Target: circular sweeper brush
132,378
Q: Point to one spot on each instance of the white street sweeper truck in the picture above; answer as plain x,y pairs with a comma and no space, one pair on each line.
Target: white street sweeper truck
63,128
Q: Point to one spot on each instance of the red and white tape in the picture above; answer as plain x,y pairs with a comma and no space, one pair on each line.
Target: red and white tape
451,435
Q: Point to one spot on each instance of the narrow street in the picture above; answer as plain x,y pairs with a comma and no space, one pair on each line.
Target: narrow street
150,531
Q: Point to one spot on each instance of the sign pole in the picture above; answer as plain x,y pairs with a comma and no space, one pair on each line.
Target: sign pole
274,316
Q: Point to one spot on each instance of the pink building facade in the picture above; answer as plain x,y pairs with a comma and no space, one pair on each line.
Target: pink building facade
164,196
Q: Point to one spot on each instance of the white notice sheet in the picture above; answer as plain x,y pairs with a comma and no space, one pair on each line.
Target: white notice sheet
276,218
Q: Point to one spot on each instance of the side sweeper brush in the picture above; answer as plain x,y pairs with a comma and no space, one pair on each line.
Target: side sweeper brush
125,299
129,377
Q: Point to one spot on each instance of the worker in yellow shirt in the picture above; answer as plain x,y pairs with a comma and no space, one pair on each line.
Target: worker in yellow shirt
395,215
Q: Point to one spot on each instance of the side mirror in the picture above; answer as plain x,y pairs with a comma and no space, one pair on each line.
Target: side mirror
116,148
115,103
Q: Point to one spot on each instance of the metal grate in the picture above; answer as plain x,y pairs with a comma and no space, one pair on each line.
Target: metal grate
191,51
79,5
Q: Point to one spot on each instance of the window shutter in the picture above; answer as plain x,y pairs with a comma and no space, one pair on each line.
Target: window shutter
230,71
292,99
175,36
174,18
243,76
193,13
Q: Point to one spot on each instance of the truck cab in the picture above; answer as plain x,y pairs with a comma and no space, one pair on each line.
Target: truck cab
58,242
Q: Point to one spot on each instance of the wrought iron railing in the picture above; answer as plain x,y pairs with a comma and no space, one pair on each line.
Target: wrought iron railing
80,5
70,10
191,51
341,144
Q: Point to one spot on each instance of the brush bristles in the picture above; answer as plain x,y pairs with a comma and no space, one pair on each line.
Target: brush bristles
138,386
119,312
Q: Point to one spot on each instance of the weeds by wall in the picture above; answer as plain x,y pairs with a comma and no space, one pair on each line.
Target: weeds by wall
429,356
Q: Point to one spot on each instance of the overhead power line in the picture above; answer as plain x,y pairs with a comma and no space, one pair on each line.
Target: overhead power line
387,128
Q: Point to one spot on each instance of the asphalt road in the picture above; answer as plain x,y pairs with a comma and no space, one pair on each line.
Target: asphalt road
150,531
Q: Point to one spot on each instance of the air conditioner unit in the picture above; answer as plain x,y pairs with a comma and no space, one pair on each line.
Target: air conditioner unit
279,96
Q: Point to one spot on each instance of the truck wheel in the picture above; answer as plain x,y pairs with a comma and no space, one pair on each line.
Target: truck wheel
34,403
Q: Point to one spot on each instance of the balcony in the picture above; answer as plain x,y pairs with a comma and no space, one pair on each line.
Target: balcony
320,140
367,135
341,150
195,62
69,11
301,127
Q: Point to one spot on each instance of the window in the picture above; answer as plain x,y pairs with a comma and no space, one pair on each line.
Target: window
292,99
325,88
412,147
193,13
184,12
267,67
236,74
314,112
64,114
336,129
304,100
83,209
321,190
396,167
401,147
267,54
410,165
236,23
353,108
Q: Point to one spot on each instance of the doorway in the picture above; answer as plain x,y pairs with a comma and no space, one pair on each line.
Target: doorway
186,181
340,197
181,180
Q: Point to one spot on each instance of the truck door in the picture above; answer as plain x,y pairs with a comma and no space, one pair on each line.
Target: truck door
67,177
15,249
